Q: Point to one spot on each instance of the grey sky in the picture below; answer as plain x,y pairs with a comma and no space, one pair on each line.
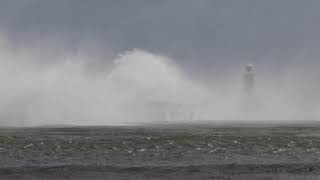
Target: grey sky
198,33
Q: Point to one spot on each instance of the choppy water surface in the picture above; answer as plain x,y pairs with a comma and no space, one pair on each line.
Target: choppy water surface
171,152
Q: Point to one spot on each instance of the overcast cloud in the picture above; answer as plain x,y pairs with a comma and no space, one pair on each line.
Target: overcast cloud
199,34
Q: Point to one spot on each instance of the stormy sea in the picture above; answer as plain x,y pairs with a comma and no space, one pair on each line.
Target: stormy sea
189,151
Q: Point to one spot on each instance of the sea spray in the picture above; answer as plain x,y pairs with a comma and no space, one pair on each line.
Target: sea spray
65,93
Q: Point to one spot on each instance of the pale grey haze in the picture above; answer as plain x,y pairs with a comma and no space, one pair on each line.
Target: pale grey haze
86,62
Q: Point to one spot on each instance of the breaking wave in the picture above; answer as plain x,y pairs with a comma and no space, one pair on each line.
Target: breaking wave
140,88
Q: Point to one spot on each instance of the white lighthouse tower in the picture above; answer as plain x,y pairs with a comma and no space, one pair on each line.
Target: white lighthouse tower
249,80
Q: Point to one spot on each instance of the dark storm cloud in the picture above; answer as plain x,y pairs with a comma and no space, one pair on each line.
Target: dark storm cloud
196,32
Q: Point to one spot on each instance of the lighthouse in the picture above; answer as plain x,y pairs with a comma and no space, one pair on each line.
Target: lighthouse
249,80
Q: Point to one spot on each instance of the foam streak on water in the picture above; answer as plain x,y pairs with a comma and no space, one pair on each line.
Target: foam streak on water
166,152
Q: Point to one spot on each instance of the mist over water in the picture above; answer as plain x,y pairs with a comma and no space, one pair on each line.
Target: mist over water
66,93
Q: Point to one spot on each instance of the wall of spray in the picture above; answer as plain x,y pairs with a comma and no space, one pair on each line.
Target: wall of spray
66,93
